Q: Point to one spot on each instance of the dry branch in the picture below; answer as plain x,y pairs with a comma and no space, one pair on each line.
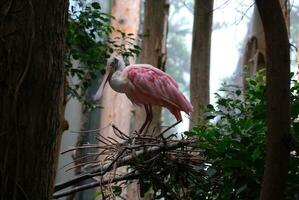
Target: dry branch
147,155
101,170
96,184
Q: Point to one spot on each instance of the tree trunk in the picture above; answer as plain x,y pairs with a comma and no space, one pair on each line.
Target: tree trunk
255,50
32,89
286,9
278,99
153,51
117,107
200,58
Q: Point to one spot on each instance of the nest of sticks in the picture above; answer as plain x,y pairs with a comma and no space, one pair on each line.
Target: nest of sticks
156,161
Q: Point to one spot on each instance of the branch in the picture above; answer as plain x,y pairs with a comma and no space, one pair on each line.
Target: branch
96,183
119,162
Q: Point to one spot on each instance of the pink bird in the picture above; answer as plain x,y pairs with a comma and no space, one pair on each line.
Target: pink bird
145,85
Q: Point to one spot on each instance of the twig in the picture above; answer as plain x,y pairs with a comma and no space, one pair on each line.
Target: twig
81,164
116,142
102,169
120,132
101,141
96,183
91,131
83,147
170,127
106,140
81,158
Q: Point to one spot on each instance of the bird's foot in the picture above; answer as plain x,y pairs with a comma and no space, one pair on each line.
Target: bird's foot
137,133
141,133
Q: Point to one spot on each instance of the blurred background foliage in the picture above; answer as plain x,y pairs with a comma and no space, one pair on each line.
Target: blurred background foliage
179,38
89,46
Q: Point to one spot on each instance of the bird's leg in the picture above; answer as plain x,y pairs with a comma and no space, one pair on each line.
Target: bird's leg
146,120
150,117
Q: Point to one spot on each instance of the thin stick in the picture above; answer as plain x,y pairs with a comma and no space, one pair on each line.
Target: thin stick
102,169
78,159
95,184
106,140
82,164
91,131
113,140
101,141
83,147
120,132
170,127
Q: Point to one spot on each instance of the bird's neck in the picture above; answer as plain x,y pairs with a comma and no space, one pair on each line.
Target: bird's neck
118,82
121,67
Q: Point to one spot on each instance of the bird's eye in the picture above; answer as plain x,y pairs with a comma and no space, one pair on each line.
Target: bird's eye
115,61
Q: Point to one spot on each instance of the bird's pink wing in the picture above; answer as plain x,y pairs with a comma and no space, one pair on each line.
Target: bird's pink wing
156,88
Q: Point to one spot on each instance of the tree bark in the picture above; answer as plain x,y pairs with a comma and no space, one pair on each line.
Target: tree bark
278,99
32,96
255,50
286,9
153,51
117,107
200,58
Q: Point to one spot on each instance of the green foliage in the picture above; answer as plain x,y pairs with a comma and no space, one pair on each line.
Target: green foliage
233,141
97,194
88,43
117,190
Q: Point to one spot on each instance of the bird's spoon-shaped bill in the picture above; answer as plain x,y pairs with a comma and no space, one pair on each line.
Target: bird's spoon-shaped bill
99,93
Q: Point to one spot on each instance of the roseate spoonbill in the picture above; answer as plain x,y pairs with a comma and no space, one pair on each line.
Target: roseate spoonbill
145,85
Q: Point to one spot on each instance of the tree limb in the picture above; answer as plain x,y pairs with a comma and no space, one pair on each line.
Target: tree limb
96,183
100,170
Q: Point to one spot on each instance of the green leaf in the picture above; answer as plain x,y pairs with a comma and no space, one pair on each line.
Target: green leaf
97,194
117,190
295,108
210,117
256,154
232,163
296,128
190,133
210,107
252,82
222,102
238,92
95,5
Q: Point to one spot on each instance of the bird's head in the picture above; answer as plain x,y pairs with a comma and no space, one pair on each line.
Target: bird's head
115,63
